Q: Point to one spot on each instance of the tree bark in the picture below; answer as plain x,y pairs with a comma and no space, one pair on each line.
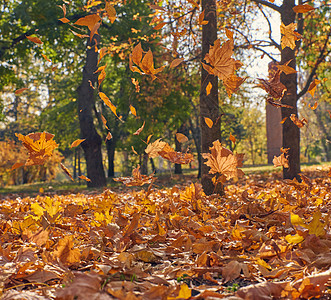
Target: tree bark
178,148
291,132
111,145
92,143
209,106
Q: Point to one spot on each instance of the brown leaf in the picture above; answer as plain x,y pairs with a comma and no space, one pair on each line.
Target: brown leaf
262,291
223,161
232,138
137,178
65,169
176,62
281,161
219,58
66,252
312,87
109,136
201,20
111,12
176,157
19,91
34,39
232,83
77,143
139,130
273,86
89,21
302,8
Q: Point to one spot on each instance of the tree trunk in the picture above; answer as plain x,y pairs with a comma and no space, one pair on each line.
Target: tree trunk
144,165
291,132
178,148
92,143
111,145
197,141
209,104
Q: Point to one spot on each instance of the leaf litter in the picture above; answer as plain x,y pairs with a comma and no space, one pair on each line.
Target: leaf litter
265,239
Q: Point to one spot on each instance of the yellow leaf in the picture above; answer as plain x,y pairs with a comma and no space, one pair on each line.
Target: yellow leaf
316,226
77,143
154,148
37,209
89,21
208,88
296,220
294,239
184,293
66,252
134,151
84,178
209,122
312,87
289,36
108,103
133,110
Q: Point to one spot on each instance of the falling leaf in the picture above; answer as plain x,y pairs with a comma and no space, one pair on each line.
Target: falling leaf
232,138
109,136
302,8
208,88
108,103
201,18
232,83
44,56
17,165
289,37
104,121
314,106
134,151
140,130
34,39
176,62
159,26
94,30
296,121
79,35
20,91
133,110
136,84
281,161
273,86
65,169
154,148
223,161
181,138
40,146
220,61
64,20
137,178
89,21
77,143
175,157
312,87
209,122
84,178
286,69
283,121
229,34
66,252
111,12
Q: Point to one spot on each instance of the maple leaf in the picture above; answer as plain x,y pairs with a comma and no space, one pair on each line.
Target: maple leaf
219,59
111,12
223,161
40,146
280,161
154,148
232,83
176,157
137,178
65,251
289,37
273,86
89,21
144,61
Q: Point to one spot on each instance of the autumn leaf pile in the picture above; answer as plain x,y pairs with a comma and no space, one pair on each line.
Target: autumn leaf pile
262,240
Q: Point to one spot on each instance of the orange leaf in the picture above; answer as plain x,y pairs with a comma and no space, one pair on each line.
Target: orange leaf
133,110
201,18
89,21
232,138
104,121
44,56
232,83
154,148
64,20
159,26
19,91
289,36
77,142
302,8
281,161
286,69
65,251
208,88
314,106
229,33
176,157
283,121
65,169
136,180
312,87
134,151
84,178
108,103
181,138
34,39
109,136
111,12
296,121
17,165
209,122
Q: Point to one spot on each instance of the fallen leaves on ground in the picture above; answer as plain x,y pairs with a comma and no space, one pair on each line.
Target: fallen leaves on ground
174,243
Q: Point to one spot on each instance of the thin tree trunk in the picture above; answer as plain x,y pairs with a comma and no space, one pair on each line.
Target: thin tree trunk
209,106
111,145
291,132
178,148
144,166
75,164
92,143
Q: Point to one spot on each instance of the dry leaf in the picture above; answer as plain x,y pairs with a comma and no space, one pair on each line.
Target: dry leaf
201,18
208,88
77,143
111,12
109,136
89,21
232,83
302,8
84,178
181,138
66,170
312,87
140,129
176,157
281,161
64,20
34,39
232,138
296,121
314,106
137,178
154,148
108,102
21,90
289,37
273,86
133,110
176,62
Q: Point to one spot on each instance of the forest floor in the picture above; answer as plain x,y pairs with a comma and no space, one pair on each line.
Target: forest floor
266,238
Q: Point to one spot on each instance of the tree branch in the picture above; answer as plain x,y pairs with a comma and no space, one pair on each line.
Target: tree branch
320,59
269,4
